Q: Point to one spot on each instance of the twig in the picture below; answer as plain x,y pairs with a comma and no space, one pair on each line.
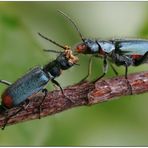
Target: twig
85,93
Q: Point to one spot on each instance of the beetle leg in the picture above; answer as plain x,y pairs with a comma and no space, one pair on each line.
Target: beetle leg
6,118
105,69
126,71
22,107
114,70
5,82
56,83
89,70
125,61
143,59
45,91
128,84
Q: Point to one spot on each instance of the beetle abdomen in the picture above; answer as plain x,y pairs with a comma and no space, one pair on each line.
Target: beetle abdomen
24,87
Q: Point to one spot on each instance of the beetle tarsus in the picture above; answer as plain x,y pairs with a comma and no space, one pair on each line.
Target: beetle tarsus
57,84
128,83
6,119
94,81
129,86
45,91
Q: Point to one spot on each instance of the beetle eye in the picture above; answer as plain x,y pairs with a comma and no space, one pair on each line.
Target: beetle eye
81,48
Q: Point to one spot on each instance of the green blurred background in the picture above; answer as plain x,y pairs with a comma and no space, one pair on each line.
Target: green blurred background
122,122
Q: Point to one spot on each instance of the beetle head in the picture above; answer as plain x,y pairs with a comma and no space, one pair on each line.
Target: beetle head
87,47
67,59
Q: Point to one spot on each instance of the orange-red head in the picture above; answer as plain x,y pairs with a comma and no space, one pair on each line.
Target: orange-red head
87,47
81,48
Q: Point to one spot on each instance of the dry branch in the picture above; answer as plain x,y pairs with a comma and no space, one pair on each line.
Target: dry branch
85,93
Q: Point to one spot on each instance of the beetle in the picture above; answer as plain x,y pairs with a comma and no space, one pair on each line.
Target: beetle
34,81
125,52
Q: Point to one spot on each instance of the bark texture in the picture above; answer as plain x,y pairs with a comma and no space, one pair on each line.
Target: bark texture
81,94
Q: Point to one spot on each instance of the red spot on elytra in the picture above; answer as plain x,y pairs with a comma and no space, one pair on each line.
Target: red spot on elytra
7,100
136,56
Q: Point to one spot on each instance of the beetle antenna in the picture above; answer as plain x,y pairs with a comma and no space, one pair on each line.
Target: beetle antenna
72,23
64,47
50,50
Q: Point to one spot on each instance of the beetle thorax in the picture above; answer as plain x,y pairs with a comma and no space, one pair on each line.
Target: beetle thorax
92,46
64,61
105,47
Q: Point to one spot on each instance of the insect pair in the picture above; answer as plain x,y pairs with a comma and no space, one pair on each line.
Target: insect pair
121,52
